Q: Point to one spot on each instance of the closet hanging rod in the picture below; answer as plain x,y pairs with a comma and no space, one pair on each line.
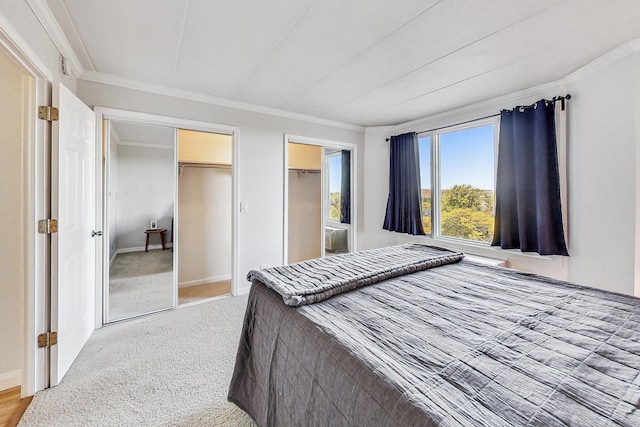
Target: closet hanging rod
304,170
204,165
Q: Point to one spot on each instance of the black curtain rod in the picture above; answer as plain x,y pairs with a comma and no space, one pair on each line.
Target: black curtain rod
555,98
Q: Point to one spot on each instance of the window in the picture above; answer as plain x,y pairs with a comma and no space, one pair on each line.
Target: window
334,176
457,174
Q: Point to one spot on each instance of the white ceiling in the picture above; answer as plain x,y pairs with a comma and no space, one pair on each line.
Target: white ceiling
135,133
364,62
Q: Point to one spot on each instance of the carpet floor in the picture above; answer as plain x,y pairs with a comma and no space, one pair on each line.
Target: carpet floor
140,283
171,369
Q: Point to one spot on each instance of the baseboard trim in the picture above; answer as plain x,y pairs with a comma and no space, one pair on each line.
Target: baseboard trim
204,281
11,379
141,248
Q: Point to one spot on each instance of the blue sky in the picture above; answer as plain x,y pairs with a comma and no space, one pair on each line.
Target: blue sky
467,157
335,173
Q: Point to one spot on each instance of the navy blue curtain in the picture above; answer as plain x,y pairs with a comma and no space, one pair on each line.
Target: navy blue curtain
345,188
528,209
404,205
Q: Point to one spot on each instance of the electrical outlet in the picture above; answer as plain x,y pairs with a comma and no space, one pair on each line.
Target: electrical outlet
264,266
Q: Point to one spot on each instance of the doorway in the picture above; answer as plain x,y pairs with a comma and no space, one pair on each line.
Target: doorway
14,84
205,194
319,201
305,190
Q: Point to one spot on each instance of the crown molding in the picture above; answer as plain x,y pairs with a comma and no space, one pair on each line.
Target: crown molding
603,61
13,42
379,129
489,106
110,79
57,36
53,29
501,102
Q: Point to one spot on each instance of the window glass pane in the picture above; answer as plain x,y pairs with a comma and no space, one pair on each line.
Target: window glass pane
467,183
424,145
335,182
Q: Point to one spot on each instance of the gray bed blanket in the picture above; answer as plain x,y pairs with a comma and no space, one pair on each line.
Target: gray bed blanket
458,345
315,280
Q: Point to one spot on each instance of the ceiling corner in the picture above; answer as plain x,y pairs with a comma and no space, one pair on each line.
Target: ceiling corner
634,45
48,21
601,62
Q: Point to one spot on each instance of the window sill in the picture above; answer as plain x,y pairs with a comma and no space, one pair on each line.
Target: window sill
336,224
548,265
488,261
487,251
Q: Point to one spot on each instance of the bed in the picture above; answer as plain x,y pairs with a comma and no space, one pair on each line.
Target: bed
379,339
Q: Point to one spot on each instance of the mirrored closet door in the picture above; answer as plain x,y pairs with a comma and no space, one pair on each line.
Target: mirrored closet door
140,186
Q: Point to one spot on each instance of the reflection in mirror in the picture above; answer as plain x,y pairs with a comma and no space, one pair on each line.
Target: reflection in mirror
141,194
338,203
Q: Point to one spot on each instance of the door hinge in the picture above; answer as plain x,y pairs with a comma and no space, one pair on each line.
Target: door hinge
48,113
47,339
48,226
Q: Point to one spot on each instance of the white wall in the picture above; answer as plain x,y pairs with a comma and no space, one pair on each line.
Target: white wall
145,193
12,225
603,140
204,224
604,131
260,161
376,176
305,215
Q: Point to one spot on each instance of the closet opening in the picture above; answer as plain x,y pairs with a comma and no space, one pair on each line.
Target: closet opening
320,189
204,216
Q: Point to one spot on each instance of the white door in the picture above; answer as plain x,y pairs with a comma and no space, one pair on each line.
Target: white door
73,203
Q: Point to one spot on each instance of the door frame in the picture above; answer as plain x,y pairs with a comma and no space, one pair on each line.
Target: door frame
324,143
177,123
35,205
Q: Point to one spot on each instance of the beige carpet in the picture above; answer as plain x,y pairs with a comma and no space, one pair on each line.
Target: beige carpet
139,283
171,369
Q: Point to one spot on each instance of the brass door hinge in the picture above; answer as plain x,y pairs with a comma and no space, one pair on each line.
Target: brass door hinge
48,113
47,339
48,226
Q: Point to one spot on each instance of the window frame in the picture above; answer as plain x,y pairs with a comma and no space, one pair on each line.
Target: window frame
435,134
327,209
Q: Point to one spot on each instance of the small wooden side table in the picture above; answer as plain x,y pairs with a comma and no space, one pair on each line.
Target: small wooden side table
149,232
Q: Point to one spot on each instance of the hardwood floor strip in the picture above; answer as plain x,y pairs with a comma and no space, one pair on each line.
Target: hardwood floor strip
17,414
209,290
12,406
